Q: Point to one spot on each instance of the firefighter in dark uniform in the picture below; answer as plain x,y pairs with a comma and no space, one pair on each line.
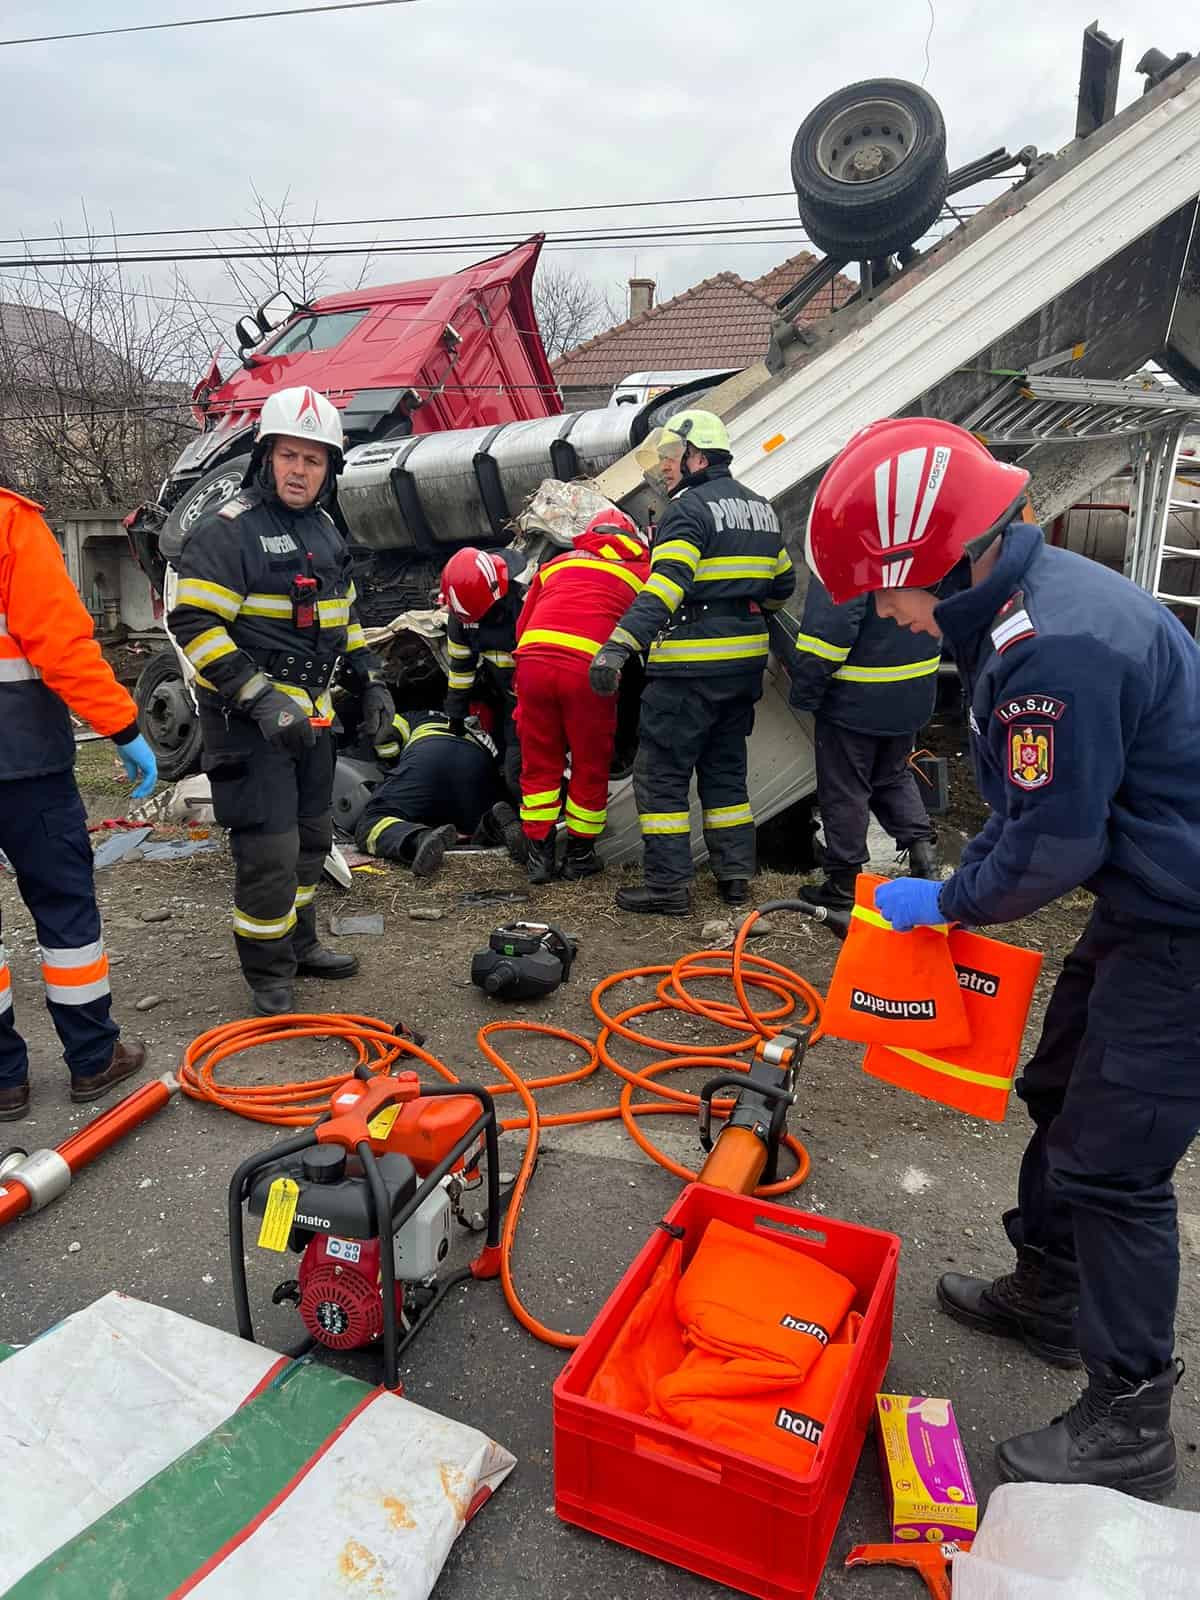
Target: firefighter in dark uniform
1083,692
483,591
443,786
264,611
870,686
717,565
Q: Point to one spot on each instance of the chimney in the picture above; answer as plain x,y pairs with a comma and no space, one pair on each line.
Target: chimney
641,295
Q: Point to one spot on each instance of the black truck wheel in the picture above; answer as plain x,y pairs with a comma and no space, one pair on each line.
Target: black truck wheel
206,494
869,168
167,716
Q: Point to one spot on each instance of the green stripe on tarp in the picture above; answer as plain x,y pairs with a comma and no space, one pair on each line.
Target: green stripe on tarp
157,1538
7,1350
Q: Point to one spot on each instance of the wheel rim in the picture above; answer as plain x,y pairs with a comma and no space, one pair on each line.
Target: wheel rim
218,491
866,141
169,716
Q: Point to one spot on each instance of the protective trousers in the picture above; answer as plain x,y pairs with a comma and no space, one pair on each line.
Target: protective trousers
1114,1092
43,832
277,808
557,711
859,773
440,780
695,724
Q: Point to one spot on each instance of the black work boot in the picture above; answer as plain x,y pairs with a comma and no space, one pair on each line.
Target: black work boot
313,959
541,858
274,1000
922,859
734,891
582,860
1117,1435
837,891
431,849
507,826
1034,1303
652,902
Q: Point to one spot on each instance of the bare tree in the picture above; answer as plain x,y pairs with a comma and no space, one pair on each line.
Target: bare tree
569,309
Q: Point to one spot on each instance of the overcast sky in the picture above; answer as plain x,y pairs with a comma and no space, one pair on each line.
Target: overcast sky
472,105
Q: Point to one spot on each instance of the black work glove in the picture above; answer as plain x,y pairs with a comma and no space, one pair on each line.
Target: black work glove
282,723
378,712
604,674
458,727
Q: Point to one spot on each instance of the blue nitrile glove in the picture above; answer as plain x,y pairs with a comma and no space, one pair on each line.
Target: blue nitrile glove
909,902
140,766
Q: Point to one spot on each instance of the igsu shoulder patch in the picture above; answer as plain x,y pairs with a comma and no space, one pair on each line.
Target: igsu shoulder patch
234,507
1029,705
1012,623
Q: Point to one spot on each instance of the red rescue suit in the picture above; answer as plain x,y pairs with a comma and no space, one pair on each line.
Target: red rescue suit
573,605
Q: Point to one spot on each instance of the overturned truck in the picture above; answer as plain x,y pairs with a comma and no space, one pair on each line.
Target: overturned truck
1031,324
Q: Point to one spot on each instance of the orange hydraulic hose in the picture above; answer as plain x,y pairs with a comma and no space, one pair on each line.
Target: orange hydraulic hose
378,1047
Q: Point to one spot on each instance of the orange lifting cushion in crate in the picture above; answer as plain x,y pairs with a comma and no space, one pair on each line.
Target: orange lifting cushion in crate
898,989
649,1345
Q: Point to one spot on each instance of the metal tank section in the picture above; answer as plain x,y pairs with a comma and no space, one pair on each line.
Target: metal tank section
1098,527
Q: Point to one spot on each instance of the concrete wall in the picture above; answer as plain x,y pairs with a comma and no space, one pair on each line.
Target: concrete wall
102,568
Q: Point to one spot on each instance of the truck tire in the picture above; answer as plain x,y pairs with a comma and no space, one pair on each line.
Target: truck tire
869,168
216,486
167,716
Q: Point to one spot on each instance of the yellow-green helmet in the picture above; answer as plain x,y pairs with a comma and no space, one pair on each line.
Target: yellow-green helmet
703,430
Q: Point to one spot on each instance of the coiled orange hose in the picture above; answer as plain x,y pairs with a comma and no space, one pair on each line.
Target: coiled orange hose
378,1047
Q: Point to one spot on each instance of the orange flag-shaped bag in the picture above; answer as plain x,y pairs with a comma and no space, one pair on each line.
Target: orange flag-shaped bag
996,981
890,988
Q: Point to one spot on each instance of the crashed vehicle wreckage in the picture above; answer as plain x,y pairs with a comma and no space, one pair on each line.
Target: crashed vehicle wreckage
1031,324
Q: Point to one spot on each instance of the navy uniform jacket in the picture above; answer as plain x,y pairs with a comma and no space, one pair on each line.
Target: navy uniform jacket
861,670
482,652
1084,694
718,564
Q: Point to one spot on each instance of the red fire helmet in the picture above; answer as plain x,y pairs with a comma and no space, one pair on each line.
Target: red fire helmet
618,523
472,581
901,503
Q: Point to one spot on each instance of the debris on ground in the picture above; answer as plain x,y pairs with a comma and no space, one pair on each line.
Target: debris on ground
370,925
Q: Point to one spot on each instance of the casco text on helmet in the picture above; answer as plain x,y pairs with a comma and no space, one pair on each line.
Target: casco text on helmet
472,582
902,503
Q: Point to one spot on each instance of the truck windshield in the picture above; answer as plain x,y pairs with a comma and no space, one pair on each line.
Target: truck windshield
315,332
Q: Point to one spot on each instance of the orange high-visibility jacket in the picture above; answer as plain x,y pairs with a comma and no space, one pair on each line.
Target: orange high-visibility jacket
576,600
48,655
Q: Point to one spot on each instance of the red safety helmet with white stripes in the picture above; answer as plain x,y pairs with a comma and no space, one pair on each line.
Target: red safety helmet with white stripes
901,504
472,581
617,523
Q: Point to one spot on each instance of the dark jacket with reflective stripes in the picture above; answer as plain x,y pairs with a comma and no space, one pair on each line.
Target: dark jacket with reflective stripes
483,654
717,565
1083,692
861,670
233,611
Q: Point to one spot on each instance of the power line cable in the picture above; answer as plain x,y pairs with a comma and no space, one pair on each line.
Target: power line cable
206,22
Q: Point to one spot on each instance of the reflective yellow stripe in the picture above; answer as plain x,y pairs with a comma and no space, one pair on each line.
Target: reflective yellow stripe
568,641
208,597
809,644
985,1080
543,797
334,613
267,605
623,636
737,648
584,815
729,817
783,563
459,652
431,730
351,593
380,827
401,726
876,920
713,569
611,568
539,813
665,822
259,928
915,669
499,658
461,680
386,752
355,638
305,895
669,593
577,825
209,646
676,550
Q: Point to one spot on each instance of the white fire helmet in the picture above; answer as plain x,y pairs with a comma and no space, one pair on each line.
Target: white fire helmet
302,413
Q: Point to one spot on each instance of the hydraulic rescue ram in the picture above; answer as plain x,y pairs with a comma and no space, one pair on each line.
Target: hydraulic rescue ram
30,1181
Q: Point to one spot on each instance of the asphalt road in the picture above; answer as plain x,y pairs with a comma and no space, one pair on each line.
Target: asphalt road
149,1218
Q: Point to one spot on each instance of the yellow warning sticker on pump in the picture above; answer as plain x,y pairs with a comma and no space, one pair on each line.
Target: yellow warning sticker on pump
277,1219
380,1124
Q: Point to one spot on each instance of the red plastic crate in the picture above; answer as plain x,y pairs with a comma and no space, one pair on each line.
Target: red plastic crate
745,1523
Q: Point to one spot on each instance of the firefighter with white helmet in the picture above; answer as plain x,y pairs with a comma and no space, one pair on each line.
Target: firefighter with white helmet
264,612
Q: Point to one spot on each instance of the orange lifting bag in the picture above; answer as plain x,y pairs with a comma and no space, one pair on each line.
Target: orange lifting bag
649,1345
890,988
996,981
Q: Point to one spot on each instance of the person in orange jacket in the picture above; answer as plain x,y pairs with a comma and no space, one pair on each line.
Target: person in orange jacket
49,661
574,602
